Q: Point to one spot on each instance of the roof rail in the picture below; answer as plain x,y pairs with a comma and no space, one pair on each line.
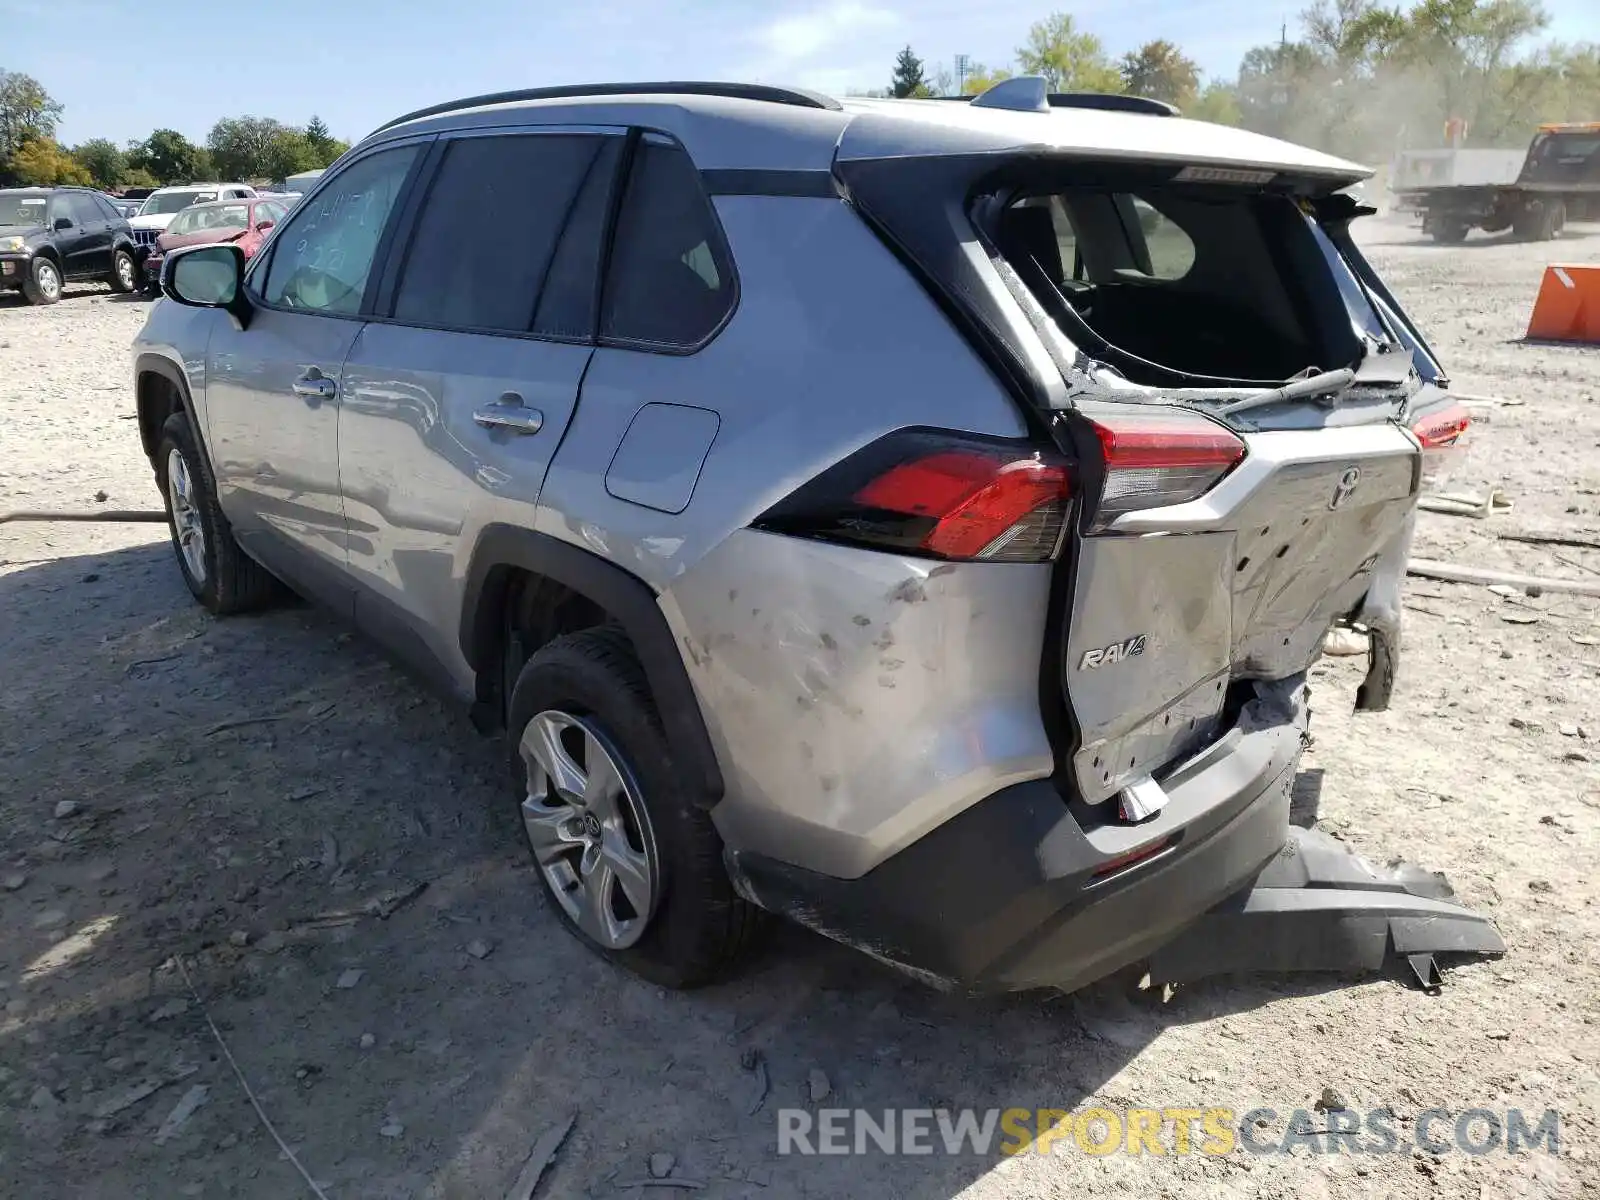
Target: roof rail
798,97
1107,102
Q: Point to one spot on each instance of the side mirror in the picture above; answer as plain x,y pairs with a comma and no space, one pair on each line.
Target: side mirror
63,223
207,277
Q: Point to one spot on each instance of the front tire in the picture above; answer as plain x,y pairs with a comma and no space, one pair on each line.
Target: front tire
43,285
124,273
1449,231
631,864
219,574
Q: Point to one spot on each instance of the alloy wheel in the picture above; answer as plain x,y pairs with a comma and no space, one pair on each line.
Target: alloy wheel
186,525
588,828
47,280
126,273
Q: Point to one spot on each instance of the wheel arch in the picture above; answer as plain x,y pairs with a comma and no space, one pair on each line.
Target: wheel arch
505,552
160,389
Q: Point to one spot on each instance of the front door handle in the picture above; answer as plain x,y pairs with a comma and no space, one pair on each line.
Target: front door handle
509,412
314,385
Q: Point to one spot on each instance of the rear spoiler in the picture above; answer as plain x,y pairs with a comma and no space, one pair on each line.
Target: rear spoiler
1031,93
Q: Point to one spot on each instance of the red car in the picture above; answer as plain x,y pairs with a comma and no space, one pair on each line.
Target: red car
246,222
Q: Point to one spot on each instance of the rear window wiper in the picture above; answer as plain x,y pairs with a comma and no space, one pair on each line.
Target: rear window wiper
1320,384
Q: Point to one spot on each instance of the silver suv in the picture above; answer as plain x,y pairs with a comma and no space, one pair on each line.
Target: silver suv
912,517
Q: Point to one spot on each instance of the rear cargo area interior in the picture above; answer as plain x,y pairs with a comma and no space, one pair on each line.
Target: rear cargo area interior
1207,282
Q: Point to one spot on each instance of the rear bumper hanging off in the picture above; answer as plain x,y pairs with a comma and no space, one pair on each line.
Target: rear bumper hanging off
1319,907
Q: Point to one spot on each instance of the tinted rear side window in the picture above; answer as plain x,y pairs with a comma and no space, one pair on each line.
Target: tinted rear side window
486,239
84,210
670,283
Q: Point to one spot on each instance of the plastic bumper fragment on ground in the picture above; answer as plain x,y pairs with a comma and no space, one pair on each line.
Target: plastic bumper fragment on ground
1319,907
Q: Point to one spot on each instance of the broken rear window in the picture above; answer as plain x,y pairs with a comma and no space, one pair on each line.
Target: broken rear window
1215,283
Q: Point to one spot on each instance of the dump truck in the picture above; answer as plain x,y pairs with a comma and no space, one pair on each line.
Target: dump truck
1559,181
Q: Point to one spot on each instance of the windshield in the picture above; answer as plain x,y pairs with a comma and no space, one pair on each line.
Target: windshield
204,217
163,203
1566,148
21,210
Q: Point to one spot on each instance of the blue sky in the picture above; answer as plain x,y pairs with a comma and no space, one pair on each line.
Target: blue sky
125,67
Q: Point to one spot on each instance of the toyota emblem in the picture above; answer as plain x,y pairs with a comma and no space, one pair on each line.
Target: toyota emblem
1345,488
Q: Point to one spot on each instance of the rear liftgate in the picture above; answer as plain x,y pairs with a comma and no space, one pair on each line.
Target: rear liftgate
1315,906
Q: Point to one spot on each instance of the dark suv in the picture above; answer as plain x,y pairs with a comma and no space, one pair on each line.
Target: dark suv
51,235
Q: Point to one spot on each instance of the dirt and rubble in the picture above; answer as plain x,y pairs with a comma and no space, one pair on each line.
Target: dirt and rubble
252,851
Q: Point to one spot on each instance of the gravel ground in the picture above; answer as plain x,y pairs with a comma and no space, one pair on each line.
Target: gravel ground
410,1043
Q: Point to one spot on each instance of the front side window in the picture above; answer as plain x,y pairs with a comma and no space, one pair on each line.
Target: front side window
321,260
108,210
670,283
482,253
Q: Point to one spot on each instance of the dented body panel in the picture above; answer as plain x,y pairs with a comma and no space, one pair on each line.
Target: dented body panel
1240,584
858,699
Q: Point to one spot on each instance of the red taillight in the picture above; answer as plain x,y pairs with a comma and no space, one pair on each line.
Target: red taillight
1123,861
1159,457
1440,433
980,502
1442,429
942,495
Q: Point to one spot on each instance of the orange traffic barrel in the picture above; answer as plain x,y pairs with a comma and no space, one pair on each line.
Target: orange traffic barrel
1568,307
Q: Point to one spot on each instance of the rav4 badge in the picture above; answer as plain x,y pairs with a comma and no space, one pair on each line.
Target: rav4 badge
1117,652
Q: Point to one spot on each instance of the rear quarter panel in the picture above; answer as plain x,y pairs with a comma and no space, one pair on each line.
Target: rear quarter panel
837,747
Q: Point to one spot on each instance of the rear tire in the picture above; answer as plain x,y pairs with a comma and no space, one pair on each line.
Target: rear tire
1541,221
124,273
43,285
220,575
585,695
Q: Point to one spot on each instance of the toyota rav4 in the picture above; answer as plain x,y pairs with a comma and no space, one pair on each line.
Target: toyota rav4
916,518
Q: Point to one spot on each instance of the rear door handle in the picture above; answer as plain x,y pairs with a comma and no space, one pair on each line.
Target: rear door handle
509,412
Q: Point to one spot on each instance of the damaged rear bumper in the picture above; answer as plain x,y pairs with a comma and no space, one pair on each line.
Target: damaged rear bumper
1023,891
1318,907
1016,892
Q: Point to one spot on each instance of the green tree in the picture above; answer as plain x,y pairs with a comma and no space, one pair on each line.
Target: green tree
169,157
318,135
1217,103
1070,59
104,162
247,147
1277,91
289,152
980,79
1161,71
40,162
909,79
27,114
329,152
